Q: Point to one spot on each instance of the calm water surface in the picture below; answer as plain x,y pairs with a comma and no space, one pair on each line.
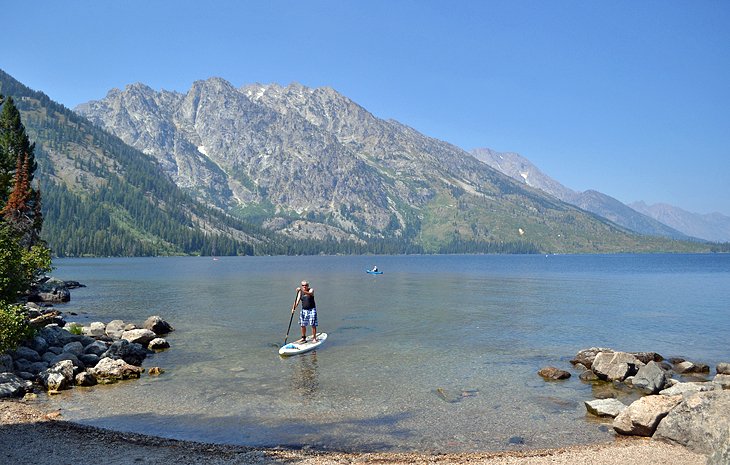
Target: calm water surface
440,353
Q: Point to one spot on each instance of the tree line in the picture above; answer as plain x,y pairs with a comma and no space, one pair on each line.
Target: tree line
23,254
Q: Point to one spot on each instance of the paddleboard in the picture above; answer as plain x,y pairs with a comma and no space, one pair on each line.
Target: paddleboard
294,348
373,272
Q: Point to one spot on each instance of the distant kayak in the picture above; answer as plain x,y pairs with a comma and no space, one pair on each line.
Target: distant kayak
294,348
373,272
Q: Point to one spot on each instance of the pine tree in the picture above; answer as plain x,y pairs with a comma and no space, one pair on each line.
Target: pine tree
14,144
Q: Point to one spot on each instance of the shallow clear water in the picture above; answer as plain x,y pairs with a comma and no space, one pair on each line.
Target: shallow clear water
439,353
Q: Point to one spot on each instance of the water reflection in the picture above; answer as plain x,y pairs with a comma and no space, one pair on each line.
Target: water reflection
304,375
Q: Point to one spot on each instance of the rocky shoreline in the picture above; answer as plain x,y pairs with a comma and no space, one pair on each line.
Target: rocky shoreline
62,355
693,411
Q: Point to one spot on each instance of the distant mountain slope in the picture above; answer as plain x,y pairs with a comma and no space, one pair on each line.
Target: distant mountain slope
311,163
712,227
102,197
518,167
280,170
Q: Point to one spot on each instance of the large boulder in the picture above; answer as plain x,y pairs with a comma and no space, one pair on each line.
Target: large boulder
59,376
50,290
96,348
701,423
642,416
75,348
38,344
157,325
13,386
95,329
615,366
723,368
586,357
130,352
139,336
55,335
109,371
722,380
26,353
650,378
115,328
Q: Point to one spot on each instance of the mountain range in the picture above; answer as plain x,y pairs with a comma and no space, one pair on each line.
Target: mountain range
274,169
656,220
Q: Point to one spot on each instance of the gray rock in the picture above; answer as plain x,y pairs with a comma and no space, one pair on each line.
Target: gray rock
26,353
109,371
85,379
6,363
115,328
55,335
22,364
605,407
701,423
721,454
157,325
60,376
684,388
642,417
586,357
96,348
38,344
722,380
13,386
139,336
650,378
55,350
95,329
130,352
723,368
37,367
588,375
158,343
75,348
89,360
689,367
66,356
615,366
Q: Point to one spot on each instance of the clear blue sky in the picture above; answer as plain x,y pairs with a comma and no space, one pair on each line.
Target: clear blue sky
631,98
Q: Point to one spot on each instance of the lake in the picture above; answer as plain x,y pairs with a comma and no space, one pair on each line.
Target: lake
439,353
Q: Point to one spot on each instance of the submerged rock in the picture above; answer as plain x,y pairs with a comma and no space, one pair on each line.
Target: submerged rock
553,373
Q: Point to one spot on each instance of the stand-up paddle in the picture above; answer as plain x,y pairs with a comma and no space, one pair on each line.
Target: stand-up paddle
293,307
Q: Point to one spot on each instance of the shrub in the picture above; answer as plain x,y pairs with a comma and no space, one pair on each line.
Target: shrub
14,326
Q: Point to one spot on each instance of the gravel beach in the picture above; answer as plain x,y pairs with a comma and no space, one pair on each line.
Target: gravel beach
29,435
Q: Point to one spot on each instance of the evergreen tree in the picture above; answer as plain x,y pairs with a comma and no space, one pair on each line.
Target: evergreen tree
14,145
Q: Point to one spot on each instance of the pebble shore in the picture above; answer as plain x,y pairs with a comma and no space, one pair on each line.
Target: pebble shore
30,435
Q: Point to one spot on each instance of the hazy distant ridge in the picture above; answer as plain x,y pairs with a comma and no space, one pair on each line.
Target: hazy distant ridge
521,169
712,227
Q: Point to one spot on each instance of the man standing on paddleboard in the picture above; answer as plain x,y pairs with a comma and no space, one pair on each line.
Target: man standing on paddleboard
308,314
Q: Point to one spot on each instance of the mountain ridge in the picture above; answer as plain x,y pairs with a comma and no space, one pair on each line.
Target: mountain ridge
520,168
295,170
